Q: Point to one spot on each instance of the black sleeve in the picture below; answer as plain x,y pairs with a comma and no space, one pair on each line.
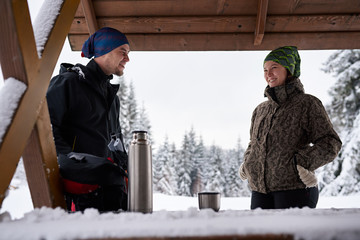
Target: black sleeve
58,104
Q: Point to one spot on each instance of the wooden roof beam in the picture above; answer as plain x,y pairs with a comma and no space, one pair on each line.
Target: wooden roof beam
260,21
233,42
224,24
90,16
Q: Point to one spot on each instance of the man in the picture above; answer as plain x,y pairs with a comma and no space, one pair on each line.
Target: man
84,112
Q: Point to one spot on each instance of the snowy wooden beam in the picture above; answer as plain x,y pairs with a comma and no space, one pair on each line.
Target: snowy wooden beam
20,59
13,60
40,154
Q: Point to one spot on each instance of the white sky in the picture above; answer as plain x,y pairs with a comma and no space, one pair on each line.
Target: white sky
214,92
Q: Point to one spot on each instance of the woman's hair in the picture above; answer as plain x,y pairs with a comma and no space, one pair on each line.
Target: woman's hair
289,77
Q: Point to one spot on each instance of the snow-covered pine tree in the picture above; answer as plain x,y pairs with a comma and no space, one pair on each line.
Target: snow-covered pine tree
235,187
195,175
184,167
173,160
163,172
131,118
342,176
132,112
201,159
123,95
215,175
143,123
345,102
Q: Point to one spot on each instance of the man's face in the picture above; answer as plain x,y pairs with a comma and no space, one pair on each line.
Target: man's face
114,62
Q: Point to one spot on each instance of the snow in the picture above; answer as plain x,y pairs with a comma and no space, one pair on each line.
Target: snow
44,22
10,95
177,216
47,223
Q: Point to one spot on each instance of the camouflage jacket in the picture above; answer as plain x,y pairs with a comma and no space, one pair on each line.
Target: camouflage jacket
290,128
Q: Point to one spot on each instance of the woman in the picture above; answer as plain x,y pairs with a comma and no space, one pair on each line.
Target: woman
290,137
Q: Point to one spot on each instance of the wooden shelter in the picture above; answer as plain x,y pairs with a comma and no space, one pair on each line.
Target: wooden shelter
151,25
229,25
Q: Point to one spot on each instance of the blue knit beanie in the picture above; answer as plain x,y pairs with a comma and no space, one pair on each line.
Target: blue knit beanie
102,42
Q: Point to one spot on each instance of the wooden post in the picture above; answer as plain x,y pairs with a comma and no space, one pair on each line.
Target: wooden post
19,59
90,17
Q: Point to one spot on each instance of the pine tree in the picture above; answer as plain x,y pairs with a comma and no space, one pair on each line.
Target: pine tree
131,111
173,160
143,123
342,176
195,185
131,118
163,171
201,159
215,175
235,187
122,94
184,168
345,103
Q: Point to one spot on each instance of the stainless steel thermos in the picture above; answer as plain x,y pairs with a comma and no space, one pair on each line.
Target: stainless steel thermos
140,194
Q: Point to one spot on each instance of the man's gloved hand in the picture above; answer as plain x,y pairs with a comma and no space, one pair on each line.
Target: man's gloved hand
307,177
242,172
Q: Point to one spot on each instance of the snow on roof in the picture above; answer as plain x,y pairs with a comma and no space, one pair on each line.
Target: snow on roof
47,223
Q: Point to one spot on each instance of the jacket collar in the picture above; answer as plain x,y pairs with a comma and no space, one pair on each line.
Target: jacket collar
97,72
282,93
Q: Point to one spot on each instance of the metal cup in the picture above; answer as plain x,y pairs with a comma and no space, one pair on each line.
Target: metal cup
209,200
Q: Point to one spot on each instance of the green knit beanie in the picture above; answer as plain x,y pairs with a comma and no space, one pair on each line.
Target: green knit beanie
288,57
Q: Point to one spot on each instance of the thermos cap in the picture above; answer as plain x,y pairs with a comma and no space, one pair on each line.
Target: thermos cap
139,131
139,135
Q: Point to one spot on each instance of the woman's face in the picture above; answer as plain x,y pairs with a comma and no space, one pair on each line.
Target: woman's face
274,74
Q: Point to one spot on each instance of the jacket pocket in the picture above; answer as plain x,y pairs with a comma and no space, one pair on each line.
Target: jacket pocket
295,168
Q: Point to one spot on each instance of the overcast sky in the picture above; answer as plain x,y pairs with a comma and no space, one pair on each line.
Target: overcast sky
213,92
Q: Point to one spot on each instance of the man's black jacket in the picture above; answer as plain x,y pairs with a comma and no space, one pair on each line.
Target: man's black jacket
84,110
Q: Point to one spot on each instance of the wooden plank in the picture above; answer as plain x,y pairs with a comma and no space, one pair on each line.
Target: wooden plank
125,8
42,133
37,74
234,42
41,165
313,23
108,8
224,24
13,64
170,24
90,17
261,21
310,7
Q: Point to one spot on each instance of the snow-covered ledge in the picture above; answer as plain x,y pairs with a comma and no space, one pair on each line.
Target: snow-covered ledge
10,95
307,224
